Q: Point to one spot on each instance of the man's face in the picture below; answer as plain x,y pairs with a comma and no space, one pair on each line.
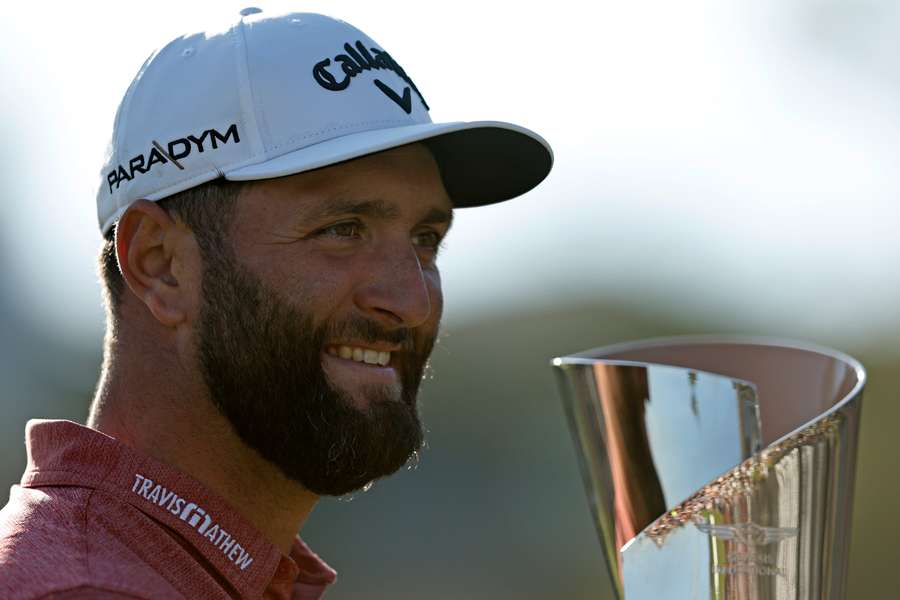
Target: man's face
319,312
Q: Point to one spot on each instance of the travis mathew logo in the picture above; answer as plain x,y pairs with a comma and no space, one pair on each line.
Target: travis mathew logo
359,59
191,514
174,151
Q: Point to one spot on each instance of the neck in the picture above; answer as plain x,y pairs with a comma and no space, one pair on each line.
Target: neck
169,416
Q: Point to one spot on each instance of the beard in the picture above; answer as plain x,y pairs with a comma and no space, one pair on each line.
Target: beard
261,359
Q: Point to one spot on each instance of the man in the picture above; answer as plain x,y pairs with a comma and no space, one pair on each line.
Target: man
273,204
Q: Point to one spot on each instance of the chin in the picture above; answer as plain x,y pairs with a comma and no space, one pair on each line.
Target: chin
363,384
363,398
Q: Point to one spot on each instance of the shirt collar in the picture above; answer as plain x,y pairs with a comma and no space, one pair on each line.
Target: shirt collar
66,453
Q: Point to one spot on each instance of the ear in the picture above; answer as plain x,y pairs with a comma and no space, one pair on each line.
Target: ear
148,242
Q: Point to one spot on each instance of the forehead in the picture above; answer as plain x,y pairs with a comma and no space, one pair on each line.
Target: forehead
403,182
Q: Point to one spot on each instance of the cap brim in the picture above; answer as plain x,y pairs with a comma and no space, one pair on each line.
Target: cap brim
480,162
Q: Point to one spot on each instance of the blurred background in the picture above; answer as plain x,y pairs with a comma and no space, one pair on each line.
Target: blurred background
722,166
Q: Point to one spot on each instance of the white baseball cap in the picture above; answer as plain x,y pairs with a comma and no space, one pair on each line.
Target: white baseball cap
278,95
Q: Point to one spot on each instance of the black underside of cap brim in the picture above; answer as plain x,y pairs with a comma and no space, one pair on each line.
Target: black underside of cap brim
484,165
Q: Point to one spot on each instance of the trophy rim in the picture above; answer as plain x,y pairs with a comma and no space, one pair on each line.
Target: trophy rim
596,355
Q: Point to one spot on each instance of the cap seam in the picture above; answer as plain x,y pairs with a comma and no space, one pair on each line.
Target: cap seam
245,94
122,117
320,132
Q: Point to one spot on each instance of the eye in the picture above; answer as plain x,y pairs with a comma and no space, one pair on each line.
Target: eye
428,239
348,229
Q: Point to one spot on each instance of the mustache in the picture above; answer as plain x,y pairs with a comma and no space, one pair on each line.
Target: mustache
359,328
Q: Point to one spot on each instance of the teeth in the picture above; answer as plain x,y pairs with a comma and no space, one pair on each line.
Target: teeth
363,355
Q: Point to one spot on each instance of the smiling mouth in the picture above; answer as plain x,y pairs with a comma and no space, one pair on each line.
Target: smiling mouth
358,354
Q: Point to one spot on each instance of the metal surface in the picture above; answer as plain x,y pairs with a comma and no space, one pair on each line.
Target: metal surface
718,468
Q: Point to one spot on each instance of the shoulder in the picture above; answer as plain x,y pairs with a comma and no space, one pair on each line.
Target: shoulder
53,544
87,592
41,541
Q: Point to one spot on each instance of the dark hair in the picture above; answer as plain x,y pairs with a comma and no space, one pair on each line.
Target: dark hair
207,209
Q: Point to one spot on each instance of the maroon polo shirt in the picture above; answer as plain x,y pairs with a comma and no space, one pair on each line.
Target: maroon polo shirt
93,518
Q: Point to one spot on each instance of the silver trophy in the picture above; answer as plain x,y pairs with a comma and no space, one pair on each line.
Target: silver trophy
718,468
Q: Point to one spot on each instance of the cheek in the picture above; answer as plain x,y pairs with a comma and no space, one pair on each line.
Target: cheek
312,281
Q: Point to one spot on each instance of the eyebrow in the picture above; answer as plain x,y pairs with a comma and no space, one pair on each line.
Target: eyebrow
378,209
438,216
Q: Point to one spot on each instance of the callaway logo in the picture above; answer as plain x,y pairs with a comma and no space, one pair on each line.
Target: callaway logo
191,514
358,59
174,151
748,534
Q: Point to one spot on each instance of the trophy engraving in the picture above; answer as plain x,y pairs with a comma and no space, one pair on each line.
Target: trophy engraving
748,534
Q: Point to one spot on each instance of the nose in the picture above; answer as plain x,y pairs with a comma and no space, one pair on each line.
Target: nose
397,292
